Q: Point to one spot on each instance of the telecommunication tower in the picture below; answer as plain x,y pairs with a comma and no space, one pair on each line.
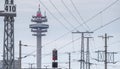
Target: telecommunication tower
8,13
39,29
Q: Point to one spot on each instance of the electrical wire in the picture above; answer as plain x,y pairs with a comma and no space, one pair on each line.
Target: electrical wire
99,12
107,24
73,42
114,42
62,15
54,16
72,14
79,14
68,43
93,31
91,18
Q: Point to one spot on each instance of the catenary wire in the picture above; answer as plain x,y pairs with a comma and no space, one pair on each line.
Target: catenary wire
54,16
79,14
72,14
93,31
100,12
91,18
62,15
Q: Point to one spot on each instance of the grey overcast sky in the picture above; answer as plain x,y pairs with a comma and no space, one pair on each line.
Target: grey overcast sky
63,17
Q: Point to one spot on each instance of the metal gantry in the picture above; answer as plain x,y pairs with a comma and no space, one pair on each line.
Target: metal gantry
8,13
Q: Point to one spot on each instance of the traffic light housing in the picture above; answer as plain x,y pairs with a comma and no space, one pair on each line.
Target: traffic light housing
54,53
54,64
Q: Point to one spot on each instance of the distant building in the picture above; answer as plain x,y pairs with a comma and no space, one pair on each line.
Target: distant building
17,66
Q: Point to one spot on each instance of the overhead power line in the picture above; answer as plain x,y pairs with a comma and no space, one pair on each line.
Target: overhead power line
107,24
62,15
79,14
57,38
99,12
115,42
85,21
93,31
72,14
54,16
91,18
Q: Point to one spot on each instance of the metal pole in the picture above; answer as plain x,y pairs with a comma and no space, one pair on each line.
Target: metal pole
69,60
106,37
106,51
88,54
20,45
82,52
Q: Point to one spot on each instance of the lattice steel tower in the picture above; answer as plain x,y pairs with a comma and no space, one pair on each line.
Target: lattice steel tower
9,13
39,29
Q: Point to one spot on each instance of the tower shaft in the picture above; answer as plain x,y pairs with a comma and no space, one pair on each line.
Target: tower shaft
39,50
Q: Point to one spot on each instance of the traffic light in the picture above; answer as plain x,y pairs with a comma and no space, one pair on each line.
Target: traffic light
54,64
54,53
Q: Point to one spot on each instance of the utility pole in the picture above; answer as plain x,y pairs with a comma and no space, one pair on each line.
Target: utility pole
105,56
69,60
20,53
20,45
88,53
8,13
106,37
82,58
